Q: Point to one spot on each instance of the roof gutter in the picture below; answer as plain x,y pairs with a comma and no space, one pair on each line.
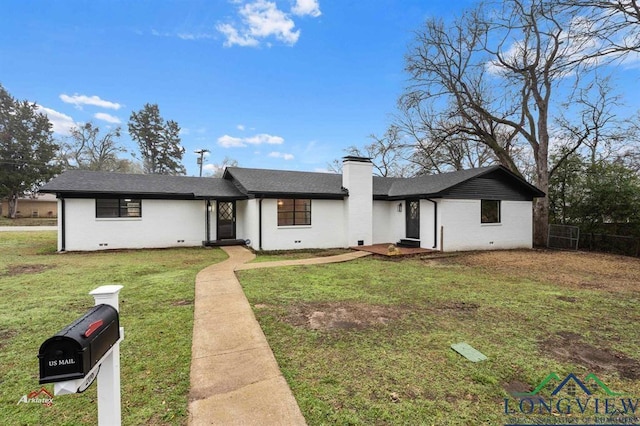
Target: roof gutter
63,240
260,223
207,220
435,222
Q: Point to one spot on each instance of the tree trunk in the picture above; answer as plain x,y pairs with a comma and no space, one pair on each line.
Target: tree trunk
13,205
541,205
540,221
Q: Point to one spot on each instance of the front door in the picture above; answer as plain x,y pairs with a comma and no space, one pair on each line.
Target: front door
413,219
226,223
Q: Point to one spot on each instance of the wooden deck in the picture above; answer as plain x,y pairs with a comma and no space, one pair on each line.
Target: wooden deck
383,249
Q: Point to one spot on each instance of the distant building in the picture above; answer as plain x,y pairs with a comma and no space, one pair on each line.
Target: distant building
42,205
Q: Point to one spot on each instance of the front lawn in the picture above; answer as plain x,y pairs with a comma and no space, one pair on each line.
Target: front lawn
277,255
368,341
43,291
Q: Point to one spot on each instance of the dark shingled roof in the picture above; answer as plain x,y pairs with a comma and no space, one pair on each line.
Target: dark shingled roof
89,182
433,184
436,185
239,183
274,182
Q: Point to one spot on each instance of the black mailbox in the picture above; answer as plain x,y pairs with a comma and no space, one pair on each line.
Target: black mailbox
76,349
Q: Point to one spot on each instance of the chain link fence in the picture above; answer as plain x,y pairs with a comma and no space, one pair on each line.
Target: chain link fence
565,237
615,244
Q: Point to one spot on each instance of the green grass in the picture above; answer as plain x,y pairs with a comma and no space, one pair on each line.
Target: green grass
404,372
276,255
43,291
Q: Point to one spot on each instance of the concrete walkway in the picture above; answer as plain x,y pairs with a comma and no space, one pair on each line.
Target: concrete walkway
235,379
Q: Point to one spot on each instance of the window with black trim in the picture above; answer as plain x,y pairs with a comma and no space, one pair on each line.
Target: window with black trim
118,207
294,212
490,211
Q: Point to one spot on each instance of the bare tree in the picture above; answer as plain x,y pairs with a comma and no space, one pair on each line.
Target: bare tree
437,144
612,28
219,168
591,123
388,153
495,77
88,149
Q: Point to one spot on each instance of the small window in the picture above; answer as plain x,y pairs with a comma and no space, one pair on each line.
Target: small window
118,207
490,211
294,212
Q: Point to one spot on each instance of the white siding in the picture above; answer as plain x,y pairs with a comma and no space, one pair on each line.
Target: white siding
247,221
463,230
388,222
327,229
163,224
426,225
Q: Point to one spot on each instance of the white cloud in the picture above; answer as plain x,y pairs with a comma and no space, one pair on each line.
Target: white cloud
79,100
107,117
233,37
261,138
62,123
306,7
240,127
262,19
276,154
195,36
227,141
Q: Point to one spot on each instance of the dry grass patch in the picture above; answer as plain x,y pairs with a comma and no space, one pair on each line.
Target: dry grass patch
13,270
569,347
341,315
578,270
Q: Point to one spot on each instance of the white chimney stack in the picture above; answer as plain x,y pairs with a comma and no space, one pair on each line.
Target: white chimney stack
357,178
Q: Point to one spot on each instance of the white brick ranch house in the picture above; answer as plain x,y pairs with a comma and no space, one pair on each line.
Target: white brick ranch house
477,209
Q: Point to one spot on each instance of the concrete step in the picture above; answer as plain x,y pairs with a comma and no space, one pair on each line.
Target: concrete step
408,242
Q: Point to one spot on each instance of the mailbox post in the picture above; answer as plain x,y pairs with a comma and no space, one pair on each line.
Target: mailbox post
109,410
88,347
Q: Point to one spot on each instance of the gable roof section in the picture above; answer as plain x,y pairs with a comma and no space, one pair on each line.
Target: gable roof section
275,183
456,185
89,183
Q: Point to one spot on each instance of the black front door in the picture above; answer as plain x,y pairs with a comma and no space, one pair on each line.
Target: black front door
413,219
226,223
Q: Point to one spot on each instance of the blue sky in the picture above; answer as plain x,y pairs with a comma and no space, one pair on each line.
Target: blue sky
285,84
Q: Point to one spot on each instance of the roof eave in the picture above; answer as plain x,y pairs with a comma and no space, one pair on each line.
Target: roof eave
312,195
94,194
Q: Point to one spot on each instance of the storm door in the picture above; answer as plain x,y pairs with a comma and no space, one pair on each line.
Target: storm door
226,223
413,219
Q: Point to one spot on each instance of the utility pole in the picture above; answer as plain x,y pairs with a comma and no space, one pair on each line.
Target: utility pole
201,158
